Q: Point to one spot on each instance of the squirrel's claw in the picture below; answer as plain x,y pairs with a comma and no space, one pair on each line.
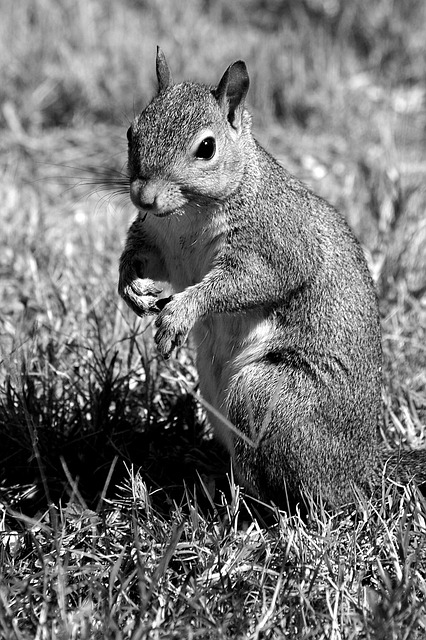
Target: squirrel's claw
140,294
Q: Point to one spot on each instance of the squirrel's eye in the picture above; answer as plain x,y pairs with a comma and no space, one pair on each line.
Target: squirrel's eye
206,149
129,135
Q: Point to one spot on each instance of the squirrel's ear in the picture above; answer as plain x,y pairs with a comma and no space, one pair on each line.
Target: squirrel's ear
164,76
231,92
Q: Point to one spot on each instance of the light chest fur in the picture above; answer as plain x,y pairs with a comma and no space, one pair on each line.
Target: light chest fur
190,241
226,344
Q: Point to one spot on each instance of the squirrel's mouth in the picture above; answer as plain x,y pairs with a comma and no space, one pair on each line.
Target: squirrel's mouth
159,213
154,210
162,214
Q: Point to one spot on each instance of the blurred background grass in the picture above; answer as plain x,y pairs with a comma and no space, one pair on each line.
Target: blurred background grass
70,63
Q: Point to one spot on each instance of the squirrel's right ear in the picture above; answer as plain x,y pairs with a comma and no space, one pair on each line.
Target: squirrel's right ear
164,76
231,92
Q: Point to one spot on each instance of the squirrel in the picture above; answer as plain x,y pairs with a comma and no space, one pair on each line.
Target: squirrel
271,282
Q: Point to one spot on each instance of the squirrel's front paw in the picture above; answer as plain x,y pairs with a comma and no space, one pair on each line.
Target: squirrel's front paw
140,294
174,323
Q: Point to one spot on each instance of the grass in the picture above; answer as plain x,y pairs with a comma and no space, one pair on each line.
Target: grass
118,519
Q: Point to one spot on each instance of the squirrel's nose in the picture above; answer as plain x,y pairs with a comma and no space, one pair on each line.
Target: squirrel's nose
145,204
144,194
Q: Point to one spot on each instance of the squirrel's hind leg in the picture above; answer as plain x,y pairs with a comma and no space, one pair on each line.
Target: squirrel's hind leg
281,410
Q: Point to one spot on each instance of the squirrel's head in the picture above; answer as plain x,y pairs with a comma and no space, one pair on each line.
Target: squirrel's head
190,145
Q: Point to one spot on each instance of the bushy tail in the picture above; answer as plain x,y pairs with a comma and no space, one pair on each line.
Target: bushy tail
404,465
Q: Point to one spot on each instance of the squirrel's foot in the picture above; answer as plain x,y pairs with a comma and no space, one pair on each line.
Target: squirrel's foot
174,323
140,294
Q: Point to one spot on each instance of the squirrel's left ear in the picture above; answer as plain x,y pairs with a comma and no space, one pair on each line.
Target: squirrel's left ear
164,76
231,92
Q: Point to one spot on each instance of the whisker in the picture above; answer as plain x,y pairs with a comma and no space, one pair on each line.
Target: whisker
109,180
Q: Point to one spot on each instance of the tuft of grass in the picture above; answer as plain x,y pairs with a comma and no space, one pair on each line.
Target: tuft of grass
124,570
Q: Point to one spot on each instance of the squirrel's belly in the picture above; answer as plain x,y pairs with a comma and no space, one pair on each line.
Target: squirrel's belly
225,344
